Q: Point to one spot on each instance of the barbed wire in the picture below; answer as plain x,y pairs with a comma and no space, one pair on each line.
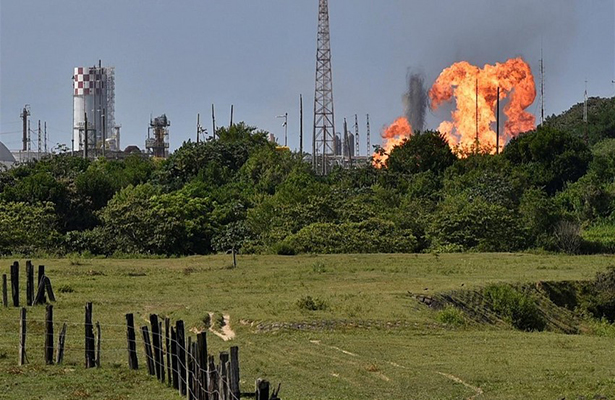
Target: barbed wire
182,363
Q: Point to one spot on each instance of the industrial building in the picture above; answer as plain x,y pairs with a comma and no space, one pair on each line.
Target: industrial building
94,127
157,143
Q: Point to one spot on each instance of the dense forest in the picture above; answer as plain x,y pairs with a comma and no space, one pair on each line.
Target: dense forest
551,189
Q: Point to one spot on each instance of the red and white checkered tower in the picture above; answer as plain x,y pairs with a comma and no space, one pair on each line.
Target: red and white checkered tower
94,95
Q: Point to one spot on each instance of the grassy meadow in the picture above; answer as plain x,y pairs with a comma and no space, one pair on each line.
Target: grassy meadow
368,339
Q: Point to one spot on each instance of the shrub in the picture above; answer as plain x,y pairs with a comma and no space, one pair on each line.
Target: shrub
599,239
284,249
311,304
451,315
371,236
517,308
475,225
568,237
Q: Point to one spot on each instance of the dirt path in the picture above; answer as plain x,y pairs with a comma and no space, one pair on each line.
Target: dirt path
226,332
455,379
478,390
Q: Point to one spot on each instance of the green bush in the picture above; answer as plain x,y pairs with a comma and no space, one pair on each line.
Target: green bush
599,238
515,307
284,249
476,225
452,316
311,304
371,236
26,228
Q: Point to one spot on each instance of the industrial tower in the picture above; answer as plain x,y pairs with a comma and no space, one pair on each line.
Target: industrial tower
324,121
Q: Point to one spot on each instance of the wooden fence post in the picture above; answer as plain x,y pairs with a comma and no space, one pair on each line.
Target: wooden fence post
5,296
189,371
202,364
167,327
133,362
148,350
41,273
224,358
212,379
22,339
29,283
40,292
174,358
161,349
181,356
61,340
49,335
262,389
234,372
15,283
52,297
153,318
97,359
89,337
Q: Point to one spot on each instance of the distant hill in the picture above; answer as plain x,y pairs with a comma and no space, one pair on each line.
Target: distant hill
600,116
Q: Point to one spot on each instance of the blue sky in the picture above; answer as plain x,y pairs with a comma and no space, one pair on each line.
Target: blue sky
179,57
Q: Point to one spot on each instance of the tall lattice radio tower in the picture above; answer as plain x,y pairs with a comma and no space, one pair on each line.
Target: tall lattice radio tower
324,120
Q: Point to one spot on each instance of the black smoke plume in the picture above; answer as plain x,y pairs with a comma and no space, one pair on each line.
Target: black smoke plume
416,100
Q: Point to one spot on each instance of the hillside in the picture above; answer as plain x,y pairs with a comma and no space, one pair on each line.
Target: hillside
600,119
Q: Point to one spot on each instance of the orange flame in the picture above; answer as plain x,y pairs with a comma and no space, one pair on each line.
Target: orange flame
475,92
394,135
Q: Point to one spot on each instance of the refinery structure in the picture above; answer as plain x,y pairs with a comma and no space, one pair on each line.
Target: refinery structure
474,126
94,127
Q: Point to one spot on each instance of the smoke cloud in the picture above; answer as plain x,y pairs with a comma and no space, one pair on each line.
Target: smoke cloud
415,100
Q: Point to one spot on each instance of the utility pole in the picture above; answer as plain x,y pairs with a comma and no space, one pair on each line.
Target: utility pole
45,137
476,123
542,88
356,135
104,130
497,124
285,116
231,124
29,147
301,126
198,127
213,121
85,136
585,119
369,144
24,116
40,140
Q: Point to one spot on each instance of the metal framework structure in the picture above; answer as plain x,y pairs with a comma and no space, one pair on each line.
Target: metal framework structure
157,143
324,120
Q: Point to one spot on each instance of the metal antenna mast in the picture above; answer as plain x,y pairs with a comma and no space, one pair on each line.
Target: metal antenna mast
324,121
356,135
40,140
542,88
369,142
585,134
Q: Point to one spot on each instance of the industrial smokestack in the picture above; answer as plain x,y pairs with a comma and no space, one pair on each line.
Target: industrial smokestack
415,100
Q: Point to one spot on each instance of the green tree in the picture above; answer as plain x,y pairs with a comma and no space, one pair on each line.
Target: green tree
549,157
464,225
27,228
424,152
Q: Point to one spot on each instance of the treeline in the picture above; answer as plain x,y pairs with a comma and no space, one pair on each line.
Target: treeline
549,189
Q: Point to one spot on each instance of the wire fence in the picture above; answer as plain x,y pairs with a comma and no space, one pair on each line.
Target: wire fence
174,358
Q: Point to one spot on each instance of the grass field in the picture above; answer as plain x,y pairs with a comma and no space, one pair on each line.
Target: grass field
372,340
